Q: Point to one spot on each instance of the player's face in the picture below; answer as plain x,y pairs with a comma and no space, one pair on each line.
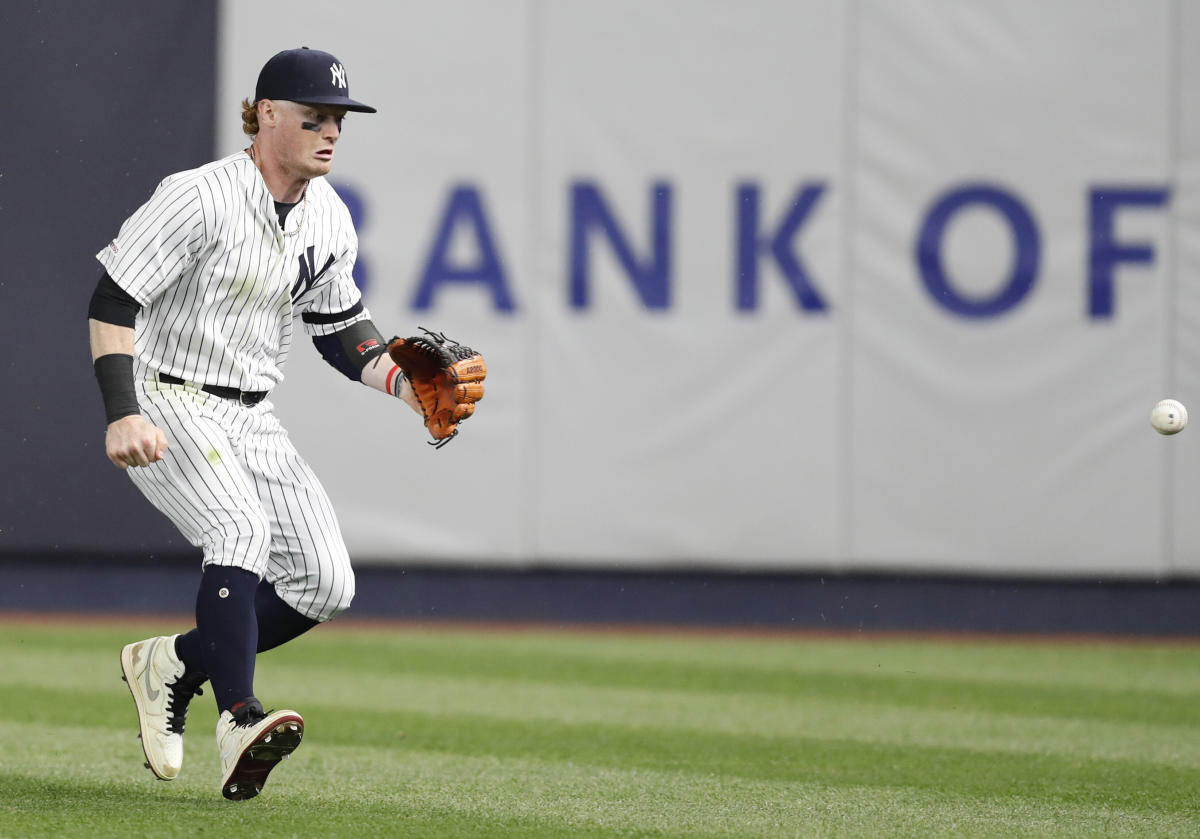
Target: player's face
307,136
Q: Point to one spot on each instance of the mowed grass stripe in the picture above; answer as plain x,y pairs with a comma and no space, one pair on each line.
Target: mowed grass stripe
721,805
1124,699
774,665
913,691
100,810
770,715
1141,737
703,660
1080,664
1127,784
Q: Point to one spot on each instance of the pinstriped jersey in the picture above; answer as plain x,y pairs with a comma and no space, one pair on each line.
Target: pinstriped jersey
219,281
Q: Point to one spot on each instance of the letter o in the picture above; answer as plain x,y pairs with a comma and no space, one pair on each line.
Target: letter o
1025,240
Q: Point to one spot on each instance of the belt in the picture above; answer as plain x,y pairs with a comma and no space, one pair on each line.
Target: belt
246,397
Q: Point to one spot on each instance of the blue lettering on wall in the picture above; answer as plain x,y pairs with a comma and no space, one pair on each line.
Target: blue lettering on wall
464,209
358,215
1025,241
591,218
651,278
750,244
1105,253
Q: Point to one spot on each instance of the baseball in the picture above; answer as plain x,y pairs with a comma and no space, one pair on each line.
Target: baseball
1168,417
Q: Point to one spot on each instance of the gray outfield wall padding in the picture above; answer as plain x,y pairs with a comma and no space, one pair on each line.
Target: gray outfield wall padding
103,100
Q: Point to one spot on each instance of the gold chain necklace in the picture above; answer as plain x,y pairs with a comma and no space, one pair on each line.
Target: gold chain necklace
303,202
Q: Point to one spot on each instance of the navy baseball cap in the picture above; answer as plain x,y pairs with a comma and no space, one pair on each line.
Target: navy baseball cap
308,76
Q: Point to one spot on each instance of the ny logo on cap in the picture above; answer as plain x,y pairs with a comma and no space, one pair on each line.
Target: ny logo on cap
339,74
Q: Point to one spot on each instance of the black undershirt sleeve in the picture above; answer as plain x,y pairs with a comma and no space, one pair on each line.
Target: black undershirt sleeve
112,304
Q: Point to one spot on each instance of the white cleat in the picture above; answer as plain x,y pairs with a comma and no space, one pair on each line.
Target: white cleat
251,748
161,694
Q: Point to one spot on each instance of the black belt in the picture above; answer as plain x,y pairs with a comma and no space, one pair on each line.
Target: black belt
246,397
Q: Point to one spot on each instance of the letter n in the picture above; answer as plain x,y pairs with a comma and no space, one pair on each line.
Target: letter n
591,214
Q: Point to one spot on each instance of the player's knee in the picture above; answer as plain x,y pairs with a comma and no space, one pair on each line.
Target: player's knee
340,599
244,543
324,592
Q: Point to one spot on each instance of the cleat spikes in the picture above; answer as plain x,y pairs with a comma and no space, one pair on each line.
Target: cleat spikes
250,750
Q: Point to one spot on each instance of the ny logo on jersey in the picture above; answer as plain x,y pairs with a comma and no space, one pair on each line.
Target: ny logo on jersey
339,74
308,273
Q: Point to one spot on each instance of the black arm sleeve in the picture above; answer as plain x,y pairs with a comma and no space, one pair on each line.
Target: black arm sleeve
349,350
112,304
114,372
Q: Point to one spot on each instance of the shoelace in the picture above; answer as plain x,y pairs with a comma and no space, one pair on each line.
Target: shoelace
251,713
252,719
182,690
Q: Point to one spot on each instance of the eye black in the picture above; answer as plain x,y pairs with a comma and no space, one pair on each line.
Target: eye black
309,125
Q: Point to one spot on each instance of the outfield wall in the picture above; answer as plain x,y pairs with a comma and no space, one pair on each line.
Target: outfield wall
788,285
794,286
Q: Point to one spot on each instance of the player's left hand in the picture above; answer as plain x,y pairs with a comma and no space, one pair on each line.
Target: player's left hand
446,380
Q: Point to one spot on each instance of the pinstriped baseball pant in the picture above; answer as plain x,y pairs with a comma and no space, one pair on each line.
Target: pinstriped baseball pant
236,488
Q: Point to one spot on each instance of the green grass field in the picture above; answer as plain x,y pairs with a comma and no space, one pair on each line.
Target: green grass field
457,732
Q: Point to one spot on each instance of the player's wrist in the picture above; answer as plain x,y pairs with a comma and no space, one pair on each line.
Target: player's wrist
383,374
394,381
114,373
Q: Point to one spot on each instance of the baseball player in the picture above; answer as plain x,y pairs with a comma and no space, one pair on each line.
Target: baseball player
190,326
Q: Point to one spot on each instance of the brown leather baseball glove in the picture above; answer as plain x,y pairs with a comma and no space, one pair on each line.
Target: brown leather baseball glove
446,377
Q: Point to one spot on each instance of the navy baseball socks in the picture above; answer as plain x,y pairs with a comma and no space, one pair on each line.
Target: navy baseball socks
278,623
228,630
251,742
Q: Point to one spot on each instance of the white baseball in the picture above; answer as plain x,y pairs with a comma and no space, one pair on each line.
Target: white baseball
1168,417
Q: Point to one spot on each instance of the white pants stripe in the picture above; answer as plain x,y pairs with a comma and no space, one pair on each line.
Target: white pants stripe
236,488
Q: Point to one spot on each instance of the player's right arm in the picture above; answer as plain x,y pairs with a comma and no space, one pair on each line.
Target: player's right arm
131,439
